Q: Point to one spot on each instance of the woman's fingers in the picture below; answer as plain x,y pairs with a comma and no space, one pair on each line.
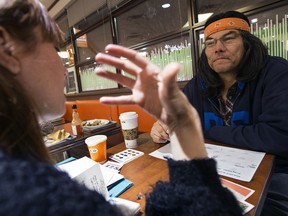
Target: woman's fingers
130,54
124,99
119,63
123,58
168,88
144,87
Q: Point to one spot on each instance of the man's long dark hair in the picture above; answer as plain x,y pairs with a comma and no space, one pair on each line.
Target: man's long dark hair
250,66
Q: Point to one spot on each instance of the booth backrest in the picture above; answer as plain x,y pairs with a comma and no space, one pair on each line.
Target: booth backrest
68,114
93,109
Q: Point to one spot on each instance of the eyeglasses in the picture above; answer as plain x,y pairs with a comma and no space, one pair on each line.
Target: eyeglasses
225,40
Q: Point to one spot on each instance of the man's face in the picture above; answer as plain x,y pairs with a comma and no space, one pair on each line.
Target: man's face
224,51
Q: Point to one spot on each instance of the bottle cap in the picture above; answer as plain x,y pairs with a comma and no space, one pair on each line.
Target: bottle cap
74,106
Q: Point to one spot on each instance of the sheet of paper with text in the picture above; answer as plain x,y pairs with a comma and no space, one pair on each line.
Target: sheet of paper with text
235,163
231,162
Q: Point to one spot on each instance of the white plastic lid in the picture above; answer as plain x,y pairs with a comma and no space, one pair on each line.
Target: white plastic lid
128,115
94,140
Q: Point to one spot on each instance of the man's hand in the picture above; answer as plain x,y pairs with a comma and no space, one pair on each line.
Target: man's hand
160,132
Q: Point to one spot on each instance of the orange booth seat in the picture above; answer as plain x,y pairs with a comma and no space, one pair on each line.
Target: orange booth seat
93,109
68,114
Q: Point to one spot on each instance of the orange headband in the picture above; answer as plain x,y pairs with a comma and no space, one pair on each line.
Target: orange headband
226,23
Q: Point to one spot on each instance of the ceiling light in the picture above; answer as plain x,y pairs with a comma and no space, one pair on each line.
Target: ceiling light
203,17
63,54
254,20
167,5
143,54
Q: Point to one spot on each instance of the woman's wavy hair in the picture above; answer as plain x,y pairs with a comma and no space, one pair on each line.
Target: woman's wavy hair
20,133
250,66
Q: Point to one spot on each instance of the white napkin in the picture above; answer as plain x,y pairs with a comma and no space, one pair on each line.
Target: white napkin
128,208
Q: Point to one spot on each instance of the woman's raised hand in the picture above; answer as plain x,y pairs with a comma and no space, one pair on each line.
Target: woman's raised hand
157,92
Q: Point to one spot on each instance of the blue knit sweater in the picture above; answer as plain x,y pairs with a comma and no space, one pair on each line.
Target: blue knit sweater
31,188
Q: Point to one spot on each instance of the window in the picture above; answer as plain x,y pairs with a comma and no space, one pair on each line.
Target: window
93,42
62,22
71,81
162,33
151,19
206,8
66,53
173,50
90,81
271,27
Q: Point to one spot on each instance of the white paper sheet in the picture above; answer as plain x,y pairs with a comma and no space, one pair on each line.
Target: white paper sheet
87,172
97,177
74,168
231,162
162,152
235,163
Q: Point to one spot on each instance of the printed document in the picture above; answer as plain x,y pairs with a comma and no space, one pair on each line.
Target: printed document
231,162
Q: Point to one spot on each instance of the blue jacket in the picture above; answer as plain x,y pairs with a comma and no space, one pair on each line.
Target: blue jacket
260,113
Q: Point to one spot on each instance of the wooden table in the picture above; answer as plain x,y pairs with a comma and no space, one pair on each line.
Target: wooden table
146,170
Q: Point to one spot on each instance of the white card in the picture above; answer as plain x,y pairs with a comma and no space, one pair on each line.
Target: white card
126,155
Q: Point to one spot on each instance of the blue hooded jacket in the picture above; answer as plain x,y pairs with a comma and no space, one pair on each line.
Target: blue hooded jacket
260,113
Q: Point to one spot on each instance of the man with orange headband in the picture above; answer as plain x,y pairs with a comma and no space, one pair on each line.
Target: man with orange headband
241,95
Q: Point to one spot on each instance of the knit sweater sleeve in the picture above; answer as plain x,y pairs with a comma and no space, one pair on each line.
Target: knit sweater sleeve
32,188
194,189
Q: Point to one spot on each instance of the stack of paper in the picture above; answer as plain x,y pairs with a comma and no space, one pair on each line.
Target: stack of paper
100,178
95,176
241,193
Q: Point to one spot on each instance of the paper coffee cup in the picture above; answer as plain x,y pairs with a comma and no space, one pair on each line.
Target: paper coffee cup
97,147
129,125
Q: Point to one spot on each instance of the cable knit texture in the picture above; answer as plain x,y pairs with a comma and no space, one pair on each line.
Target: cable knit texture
32,188
194,189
